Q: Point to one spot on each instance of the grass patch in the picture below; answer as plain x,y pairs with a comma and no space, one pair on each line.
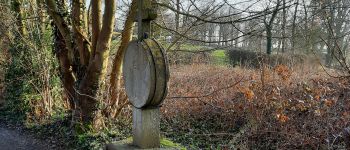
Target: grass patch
164,143
190,47
219,57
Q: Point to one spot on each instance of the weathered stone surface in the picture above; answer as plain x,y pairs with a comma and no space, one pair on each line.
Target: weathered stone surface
162,70
146,127
149,11
139,75
146,73
127,145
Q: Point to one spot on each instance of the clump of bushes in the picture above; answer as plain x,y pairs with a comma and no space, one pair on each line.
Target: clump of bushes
216,107
255,59
188,57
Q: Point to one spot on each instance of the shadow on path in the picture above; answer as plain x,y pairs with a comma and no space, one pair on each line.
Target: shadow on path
12,139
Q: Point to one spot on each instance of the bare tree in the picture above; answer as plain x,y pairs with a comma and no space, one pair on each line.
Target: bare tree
269,27
89,66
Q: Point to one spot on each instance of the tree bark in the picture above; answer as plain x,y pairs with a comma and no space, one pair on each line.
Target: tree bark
118,59
96,24
284,22
67,78
268,40
62,25
269,27
177,22
16,7
97,67
89,70
294,26
79,23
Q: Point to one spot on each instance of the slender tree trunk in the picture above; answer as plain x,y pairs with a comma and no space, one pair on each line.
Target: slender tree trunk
17,8
269,26
118,59
79,24
96,24
309,42
210,34
53,10
63,50
329,56
268,40
331,40
41,13
294,25
67,78
177,22
221,37
284,22
96,70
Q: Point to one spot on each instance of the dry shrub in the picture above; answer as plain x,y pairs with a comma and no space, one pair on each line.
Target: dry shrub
210,106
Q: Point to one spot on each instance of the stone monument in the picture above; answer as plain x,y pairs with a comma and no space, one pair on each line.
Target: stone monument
146,75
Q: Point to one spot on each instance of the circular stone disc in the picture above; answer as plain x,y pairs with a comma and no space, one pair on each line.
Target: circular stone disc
162,71
139,74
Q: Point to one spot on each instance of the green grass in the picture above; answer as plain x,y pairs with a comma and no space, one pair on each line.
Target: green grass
170,144
188,47
191,47
164,143
219,57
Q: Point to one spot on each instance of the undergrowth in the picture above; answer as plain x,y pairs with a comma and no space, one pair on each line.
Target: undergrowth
217,107
274,108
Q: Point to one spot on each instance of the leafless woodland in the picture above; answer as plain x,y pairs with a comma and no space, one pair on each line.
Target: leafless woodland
245,74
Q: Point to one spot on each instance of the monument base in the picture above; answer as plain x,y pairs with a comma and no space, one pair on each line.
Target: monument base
146,127
127,145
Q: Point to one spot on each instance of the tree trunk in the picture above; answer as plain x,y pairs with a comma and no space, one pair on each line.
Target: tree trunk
118,59
284,22
67,78
79,33
16,7
88,72
268,40
269,26
294,26
309,42
96,24
96,70
330,51
61,24
177,22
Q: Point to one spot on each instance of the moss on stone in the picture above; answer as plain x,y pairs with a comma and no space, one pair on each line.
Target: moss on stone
126,144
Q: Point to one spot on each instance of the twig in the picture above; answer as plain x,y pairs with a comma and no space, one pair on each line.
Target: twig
77,91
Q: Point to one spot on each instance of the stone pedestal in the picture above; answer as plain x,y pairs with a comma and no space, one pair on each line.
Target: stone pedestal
146,127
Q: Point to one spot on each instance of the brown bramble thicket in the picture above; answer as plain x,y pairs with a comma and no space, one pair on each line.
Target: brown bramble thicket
296,108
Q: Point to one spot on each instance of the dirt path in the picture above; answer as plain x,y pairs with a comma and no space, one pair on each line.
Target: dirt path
12,139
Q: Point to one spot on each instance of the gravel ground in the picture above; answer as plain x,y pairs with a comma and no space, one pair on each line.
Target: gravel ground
14,139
